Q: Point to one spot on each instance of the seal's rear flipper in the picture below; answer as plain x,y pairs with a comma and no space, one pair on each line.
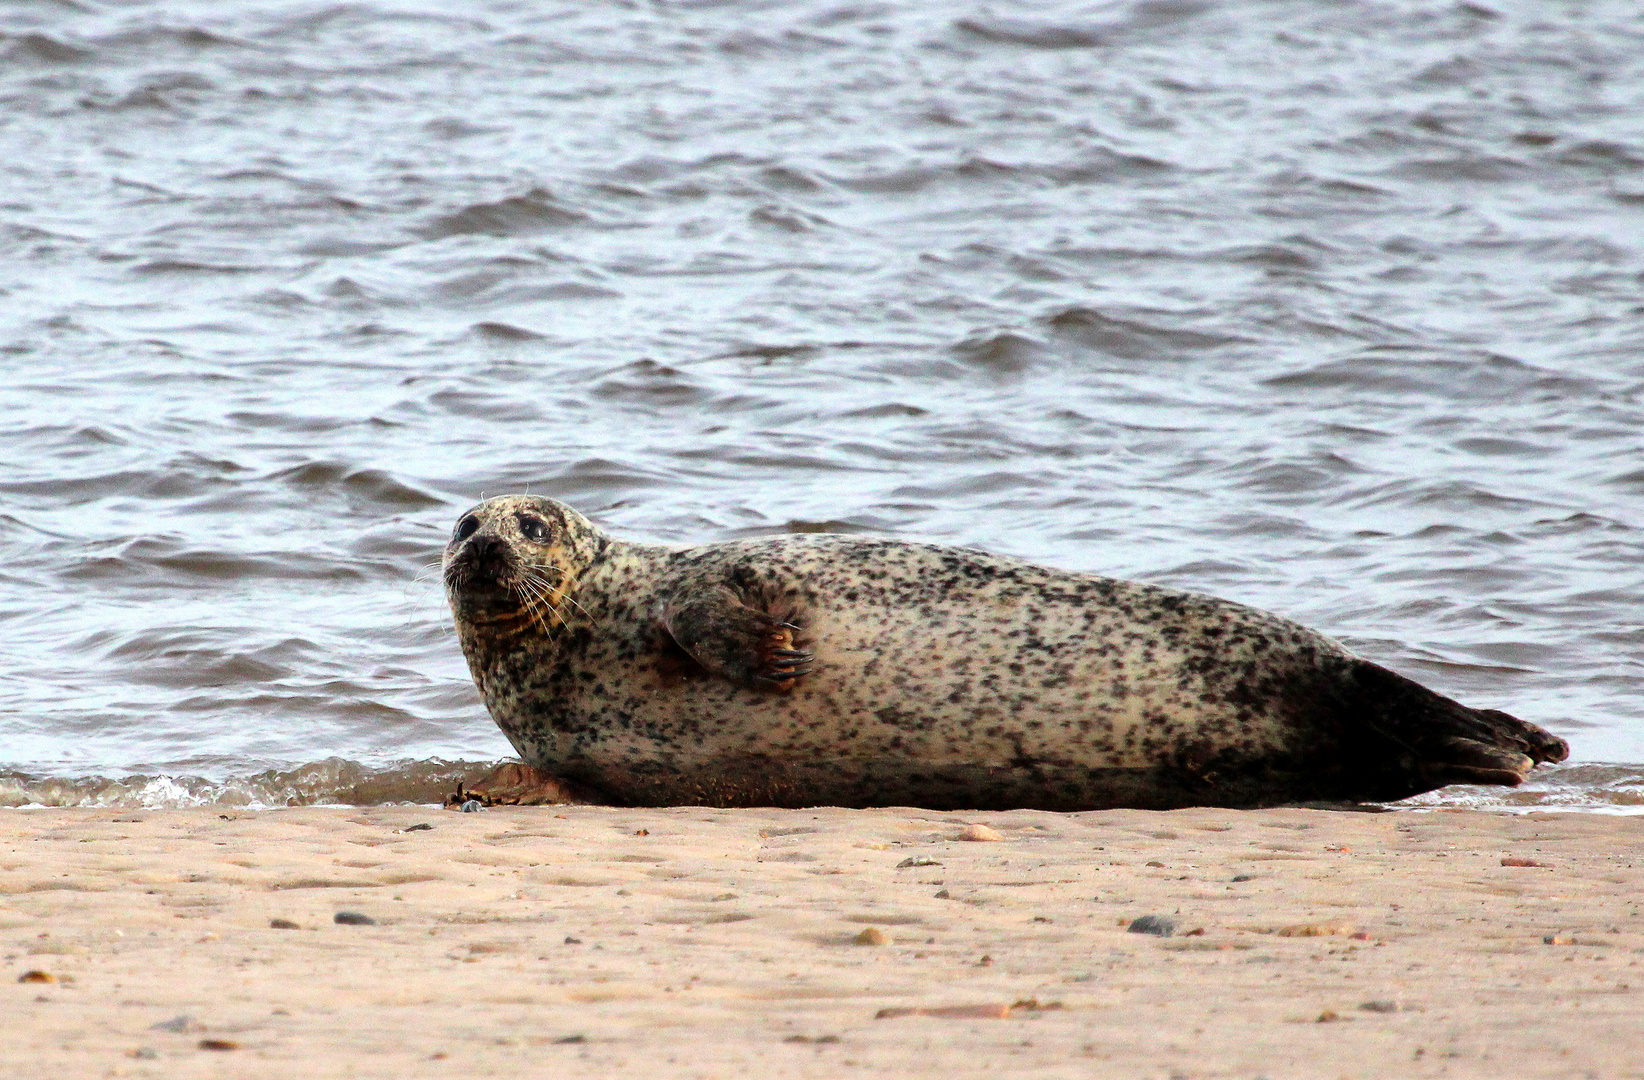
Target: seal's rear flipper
1468,761
1451,743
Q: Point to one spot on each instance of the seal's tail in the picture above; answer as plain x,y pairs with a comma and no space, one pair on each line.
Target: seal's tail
1448,742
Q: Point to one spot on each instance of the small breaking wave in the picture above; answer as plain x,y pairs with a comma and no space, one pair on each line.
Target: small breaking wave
1589,788
330,781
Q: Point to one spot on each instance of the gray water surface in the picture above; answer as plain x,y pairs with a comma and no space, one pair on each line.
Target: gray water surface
1337,310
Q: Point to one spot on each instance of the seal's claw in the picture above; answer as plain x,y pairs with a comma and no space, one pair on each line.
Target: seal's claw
780,664
784,666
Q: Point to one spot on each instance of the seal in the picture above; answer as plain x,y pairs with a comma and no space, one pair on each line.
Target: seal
839,670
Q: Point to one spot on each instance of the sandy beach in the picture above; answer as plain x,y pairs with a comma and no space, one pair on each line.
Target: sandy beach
590,941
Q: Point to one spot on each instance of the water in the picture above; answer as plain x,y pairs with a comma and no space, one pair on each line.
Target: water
1331,309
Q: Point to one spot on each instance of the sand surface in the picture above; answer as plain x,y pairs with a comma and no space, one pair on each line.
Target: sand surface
589,941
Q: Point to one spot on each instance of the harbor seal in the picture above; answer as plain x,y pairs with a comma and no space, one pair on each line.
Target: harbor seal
838,670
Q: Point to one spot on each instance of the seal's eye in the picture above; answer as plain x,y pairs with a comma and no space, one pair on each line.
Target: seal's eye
466,527
533,528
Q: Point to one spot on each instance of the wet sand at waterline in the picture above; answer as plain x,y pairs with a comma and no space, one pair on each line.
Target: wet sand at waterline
594,941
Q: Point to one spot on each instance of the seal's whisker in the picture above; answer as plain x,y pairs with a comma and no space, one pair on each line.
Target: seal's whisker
529,595
567,597
553,608
540,602
532,607
547,586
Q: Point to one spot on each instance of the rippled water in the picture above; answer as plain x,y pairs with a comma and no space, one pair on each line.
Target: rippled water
1332,309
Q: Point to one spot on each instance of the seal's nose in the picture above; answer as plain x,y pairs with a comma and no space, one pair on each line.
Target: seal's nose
487,546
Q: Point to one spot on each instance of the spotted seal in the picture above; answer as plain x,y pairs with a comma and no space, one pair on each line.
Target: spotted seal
825,669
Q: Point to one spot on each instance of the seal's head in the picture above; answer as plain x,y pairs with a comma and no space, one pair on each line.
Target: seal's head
518,557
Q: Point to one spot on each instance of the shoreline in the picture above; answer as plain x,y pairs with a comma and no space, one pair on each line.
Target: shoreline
592,941
1611,788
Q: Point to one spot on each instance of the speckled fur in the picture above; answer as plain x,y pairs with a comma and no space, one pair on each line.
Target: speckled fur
931,677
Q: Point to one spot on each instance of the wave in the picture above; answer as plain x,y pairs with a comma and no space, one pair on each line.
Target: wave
1590,787
329,781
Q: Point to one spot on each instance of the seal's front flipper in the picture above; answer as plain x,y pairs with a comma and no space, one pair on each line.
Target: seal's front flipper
736,642
514,783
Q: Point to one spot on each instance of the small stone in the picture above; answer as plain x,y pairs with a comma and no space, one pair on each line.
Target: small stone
1558,939
1329,1016
218,1044
144,1053
421,826
1158,925
1242,877
1381,1006
282,924
941,894
176,1025
1515,861
917,860
353,918
570,1040
873,936
1155,862
37,976
573,940
980,832
472,806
